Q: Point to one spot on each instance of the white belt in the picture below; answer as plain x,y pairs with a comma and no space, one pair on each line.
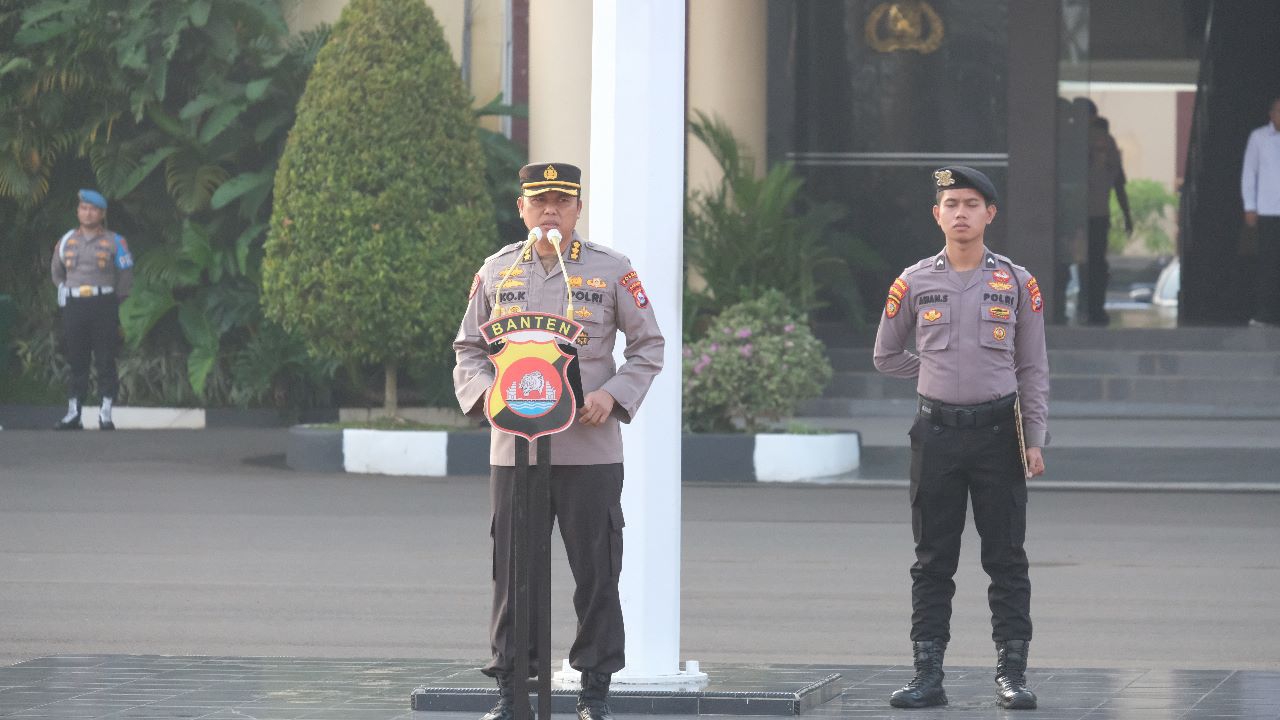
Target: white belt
84,291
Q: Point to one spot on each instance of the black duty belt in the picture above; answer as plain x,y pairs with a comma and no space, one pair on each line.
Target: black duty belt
963,416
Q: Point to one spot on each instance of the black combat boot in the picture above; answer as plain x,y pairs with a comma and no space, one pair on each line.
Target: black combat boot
1011,676
72,419
925,689
506,707
593,698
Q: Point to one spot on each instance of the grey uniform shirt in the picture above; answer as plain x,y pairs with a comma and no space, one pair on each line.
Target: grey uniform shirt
101,260
976,340
608,296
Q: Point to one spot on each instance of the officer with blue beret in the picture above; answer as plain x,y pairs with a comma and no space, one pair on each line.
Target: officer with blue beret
976,320
93,271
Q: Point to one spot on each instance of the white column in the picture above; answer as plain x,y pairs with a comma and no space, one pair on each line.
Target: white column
637,198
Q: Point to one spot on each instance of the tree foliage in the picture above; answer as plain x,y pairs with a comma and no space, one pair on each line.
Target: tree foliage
1150,205
381,212
751,234
178,112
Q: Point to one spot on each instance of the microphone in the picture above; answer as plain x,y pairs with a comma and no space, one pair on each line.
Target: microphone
555,237
535,234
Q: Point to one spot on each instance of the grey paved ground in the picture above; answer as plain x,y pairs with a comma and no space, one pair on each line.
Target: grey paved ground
200,543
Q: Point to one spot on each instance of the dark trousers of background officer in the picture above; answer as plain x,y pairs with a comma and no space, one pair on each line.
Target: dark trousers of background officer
949,465
586,502
1096,270
1268,307
91,325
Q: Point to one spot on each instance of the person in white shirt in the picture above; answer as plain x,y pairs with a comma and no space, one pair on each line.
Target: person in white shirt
1260,188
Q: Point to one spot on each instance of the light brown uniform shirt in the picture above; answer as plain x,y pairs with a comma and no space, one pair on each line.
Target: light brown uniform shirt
101,260
977,339
607,297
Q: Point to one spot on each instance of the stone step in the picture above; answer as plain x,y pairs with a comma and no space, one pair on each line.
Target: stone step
1115,465
1144,363
1091,388
1245,339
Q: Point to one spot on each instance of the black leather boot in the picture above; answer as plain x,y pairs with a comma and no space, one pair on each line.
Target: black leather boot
593,698
1011,676
925,689
506,707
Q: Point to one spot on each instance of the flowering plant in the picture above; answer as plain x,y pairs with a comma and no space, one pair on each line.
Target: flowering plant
757,361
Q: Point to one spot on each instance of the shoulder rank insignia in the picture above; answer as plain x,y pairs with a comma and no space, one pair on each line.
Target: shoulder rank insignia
575,251
528,255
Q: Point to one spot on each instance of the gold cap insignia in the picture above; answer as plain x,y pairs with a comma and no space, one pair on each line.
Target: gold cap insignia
944,178
550,173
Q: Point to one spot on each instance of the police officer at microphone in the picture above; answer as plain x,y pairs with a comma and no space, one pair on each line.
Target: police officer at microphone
586,470
977,322
93,271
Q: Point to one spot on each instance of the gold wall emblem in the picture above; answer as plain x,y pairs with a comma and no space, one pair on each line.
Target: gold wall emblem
904,25
550,173
944,178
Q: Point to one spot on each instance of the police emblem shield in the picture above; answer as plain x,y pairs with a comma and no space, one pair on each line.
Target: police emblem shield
531,394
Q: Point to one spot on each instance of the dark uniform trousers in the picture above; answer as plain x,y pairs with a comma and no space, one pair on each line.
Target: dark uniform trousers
92,325
1097,271
1269,269
948,465
586,502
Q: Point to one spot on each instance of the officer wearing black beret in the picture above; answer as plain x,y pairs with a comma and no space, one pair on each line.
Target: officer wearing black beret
982,374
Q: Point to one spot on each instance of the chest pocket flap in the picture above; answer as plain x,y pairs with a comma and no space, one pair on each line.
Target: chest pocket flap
933,327
997,326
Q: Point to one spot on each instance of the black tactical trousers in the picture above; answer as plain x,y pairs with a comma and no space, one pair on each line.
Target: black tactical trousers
91,325
949,465
586,502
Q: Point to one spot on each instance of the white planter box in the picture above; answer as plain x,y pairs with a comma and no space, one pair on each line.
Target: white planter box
785,457
396,452
127,417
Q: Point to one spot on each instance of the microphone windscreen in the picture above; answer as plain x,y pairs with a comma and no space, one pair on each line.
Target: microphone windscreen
535,233
554,236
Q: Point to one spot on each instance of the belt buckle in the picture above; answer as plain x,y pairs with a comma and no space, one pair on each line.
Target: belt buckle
84,291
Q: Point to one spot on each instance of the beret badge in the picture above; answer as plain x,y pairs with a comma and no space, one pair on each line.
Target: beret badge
944,178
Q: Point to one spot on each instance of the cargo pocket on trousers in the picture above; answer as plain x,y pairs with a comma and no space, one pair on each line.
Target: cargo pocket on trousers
616,523
493,546
1018,516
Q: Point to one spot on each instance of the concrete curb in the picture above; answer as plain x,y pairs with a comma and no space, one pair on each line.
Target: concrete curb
130,417
705,457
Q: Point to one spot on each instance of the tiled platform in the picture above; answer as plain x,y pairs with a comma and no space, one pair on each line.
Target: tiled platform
239,688
732,690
